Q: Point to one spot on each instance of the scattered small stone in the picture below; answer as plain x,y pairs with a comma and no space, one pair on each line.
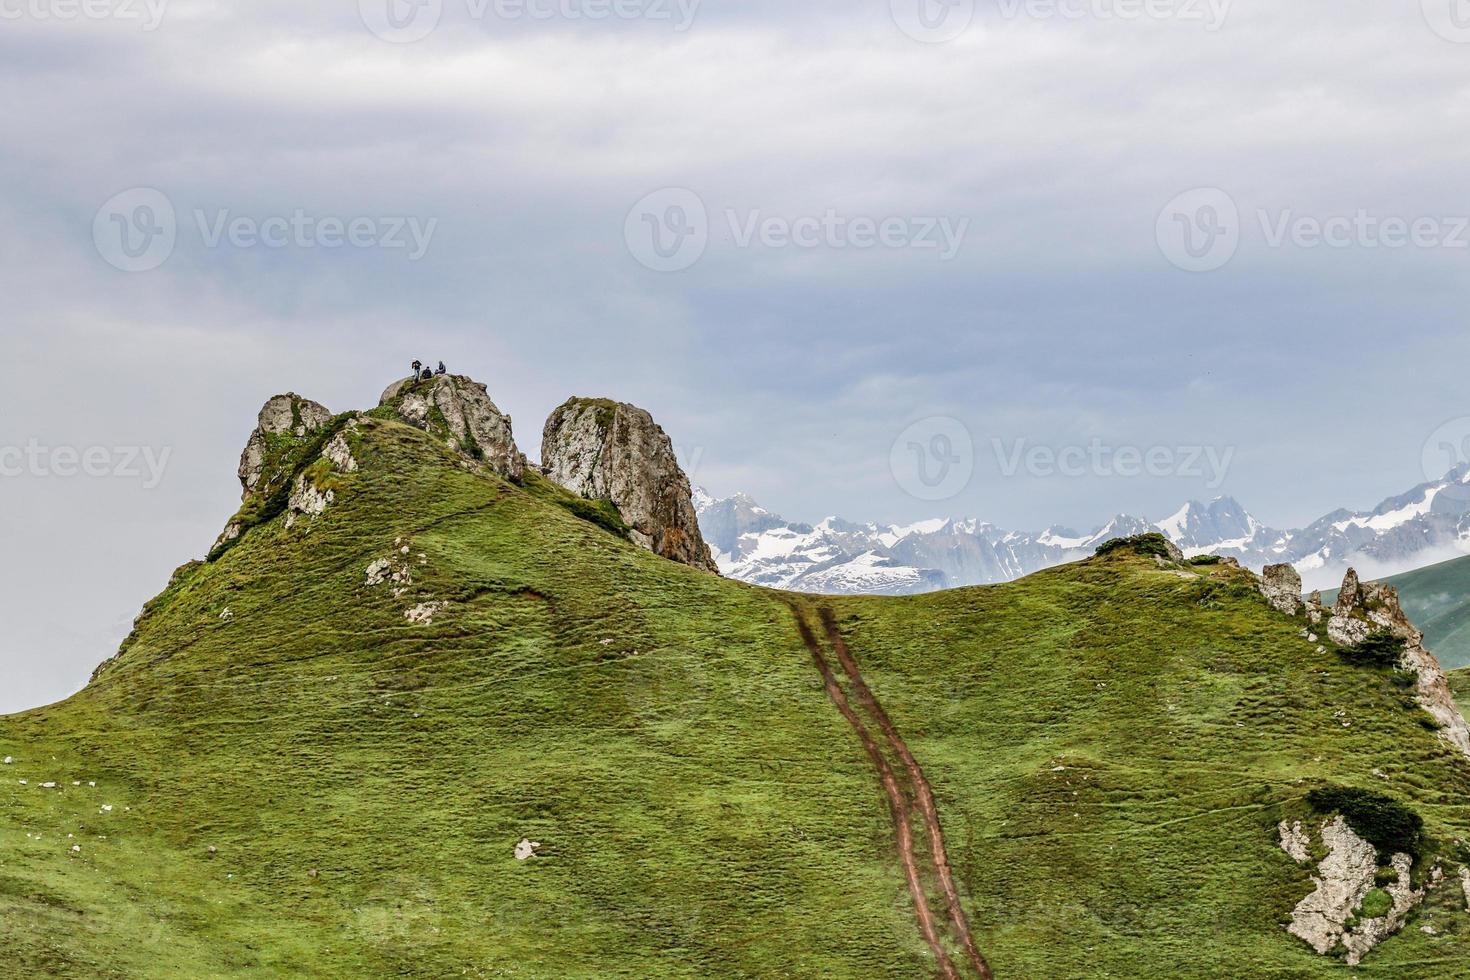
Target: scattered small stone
313,873
107,808
527,849
378,571
9,760
1428,930
76,848
48,785
423,614
227,615
212,850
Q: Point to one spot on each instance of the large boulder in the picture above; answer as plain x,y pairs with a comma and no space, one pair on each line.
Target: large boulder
284,422
1366,609
606,450
459,411
1282,587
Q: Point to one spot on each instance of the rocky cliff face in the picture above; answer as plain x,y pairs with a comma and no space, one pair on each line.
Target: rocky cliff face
459,411
605,450
1365,609
285,420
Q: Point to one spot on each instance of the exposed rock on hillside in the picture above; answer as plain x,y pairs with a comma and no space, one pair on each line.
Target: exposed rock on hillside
605,450
459,411
1367,609
284,420
1282,587
1332,913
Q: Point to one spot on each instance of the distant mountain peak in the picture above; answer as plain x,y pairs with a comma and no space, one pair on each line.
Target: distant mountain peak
1427,524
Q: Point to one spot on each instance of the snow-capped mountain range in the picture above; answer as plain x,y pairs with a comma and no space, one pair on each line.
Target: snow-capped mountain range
1429,523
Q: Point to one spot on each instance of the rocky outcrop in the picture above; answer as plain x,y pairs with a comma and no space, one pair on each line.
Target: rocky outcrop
459,411
1282,587
1331,913
1364,610
283,422
605,450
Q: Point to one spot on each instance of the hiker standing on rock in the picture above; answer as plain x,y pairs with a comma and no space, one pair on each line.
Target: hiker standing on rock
417,369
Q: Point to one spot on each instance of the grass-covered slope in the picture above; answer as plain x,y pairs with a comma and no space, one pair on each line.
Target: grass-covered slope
1111,745
1437,600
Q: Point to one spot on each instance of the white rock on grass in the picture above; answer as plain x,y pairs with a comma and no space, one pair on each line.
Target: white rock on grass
1344,878
9,760
378,571
527,849
1465,884
1295,841
423,614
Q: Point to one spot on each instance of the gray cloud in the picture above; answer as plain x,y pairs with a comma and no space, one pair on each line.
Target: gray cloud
788,371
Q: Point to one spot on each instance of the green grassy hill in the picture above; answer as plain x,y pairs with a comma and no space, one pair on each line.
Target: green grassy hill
283,774
1437,599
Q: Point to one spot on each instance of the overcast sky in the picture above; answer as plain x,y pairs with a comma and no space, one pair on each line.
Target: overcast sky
819,241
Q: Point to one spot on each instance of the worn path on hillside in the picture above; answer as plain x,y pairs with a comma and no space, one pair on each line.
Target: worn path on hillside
922,789
900,792
898,805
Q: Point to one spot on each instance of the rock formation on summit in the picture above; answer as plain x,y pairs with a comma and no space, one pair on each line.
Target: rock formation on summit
606,450
284,418
459,411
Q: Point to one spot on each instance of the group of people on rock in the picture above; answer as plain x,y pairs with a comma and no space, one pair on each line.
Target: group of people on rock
422,373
